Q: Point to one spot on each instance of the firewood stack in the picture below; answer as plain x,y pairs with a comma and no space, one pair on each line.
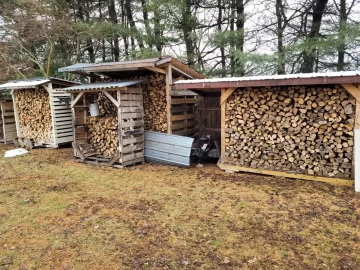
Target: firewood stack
106,107
296,129
155,117
34,112
103,133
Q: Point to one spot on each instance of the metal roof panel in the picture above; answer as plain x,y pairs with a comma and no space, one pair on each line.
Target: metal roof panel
102,85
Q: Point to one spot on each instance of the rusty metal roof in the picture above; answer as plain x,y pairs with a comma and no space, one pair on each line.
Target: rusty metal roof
102,86
272,80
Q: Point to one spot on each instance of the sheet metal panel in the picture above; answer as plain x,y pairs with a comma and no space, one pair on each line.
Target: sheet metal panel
102,85
167,148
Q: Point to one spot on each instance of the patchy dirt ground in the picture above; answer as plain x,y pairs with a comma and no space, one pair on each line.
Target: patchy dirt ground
58,214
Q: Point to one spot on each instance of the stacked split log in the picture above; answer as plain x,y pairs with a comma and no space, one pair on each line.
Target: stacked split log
33,107
106,106
103,134
155,117
296,129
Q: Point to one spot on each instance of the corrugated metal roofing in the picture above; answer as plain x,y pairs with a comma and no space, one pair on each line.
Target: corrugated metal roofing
274,77
102,85
31,83
82,66
167,148
24,84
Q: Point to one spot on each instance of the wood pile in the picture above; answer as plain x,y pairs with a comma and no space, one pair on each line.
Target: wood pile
33,107
296,129
106,107
155,116
103,134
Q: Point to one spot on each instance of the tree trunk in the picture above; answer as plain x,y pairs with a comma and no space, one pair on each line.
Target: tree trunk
114,20
309,54
280,37
131,21
188,27
342,29
240,22
222,49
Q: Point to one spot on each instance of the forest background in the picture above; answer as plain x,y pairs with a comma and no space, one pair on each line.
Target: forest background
219,38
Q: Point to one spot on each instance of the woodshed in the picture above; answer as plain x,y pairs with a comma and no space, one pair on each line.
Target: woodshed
108,123
299,126
42,114
165,110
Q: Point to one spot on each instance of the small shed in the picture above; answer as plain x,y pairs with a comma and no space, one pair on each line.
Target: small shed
303,126
7,118
165,110
108,123
42,114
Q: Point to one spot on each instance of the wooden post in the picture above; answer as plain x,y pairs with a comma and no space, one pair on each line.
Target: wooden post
223,111
49,88
16,112
73,121
357,147
355,92
168,97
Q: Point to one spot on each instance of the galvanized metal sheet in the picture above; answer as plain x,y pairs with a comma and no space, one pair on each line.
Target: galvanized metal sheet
102,85
32,83
274,77
167,148
23,84
83,66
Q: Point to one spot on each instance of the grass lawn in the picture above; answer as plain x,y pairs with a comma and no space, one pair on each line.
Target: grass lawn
59,214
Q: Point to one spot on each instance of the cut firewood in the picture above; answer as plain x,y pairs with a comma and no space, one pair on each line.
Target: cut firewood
33,108
295,129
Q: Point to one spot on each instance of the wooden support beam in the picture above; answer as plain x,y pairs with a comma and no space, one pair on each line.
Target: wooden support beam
226,94
353,90
76,100
113,100
168,97
156,70
356,158
223,111
329,180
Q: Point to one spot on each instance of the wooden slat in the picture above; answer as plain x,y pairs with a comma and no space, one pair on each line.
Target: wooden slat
183,117
131,104
131,157
132,115
131,97
183,125
132,123
183,100
131,109
133,140
333,181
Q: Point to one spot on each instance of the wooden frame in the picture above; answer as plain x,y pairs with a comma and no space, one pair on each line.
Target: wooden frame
7,121
61,117
130,132
354,91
